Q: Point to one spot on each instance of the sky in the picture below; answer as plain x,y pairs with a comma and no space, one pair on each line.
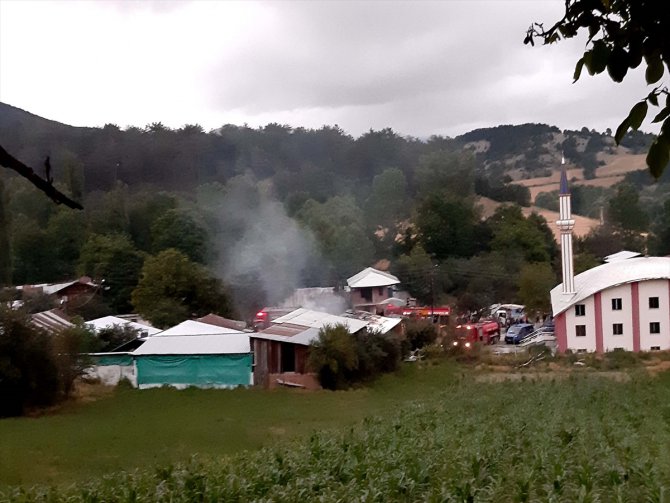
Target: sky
422,68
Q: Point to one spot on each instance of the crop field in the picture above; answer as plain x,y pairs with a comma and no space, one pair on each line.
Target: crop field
584,437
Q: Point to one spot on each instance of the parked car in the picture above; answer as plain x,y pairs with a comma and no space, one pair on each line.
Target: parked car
548,326
516,333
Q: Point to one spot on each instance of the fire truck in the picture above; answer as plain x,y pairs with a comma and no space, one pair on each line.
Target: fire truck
439,314
484,332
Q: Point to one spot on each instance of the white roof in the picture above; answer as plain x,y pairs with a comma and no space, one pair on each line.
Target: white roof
374,322
622,255
110,321
316,319
608,275
372,277
195,345
195,328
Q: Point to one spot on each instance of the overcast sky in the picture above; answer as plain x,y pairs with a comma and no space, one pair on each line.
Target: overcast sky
421,68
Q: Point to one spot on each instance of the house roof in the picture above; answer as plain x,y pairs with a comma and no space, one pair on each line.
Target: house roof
54,320
52,288
220,321
213,344
370,277
110,321
194,328
293,334
609,275
316,319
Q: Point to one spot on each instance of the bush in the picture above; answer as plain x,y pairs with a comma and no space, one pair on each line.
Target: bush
334,356
420,333
341,359
28,371
112,337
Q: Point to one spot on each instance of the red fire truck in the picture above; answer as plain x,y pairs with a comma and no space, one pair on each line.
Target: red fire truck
484,332
440,314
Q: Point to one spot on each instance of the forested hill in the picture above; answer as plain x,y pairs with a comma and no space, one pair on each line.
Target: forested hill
324,158
277,207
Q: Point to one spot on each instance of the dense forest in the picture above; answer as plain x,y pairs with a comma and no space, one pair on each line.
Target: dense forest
233,219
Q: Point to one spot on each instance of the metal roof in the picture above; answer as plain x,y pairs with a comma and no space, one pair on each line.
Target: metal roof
316,319
609,275
370,277
375,322
110,321
231,343
220,321
51,321
194,328
622,255
300,335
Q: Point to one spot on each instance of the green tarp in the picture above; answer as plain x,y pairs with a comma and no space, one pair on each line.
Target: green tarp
106,360
194,370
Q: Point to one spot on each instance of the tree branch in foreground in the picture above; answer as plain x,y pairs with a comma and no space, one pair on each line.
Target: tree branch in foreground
45,186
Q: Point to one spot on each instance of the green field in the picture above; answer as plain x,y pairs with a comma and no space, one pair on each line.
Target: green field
431,434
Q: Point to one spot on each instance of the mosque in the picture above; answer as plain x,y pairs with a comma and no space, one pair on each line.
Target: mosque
621,304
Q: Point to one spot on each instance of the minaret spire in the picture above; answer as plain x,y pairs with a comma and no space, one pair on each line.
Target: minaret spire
565,224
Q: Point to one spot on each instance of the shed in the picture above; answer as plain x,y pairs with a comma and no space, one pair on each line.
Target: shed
220,359
110,321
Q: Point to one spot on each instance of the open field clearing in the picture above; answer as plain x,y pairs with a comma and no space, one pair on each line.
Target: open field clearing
435,433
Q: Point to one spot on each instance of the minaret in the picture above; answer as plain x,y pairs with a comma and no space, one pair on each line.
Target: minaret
565,224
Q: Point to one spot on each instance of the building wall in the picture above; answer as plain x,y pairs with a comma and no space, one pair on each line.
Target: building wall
268,360
587,342
379,293
635,316
655,288
624,317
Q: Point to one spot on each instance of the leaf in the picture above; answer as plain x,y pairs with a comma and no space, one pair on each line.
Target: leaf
621,130
637,114
662,115
617,65
658,156
578,69
652,97
654,70
601,55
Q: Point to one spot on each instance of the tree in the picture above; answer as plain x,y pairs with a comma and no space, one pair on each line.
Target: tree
535,282
112,337
179,230
621,34
387,202
112,261
624,210
172,288
447,226
512,232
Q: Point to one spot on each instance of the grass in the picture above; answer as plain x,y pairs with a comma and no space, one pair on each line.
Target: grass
131,429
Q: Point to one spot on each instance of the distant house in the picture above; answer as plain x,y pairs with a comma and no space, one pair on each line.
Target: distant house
370,289
281,350
68,292
220,321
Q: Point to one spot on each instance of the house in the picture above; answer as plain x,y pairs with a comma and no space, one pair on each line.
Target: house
281,350
621,304
370,288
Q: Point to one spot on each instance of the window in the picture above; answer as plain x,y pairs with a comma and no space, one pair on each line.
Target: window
580,310
580,330
653,302
656,348
654,327
616,304
617,329
366,294
581,350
